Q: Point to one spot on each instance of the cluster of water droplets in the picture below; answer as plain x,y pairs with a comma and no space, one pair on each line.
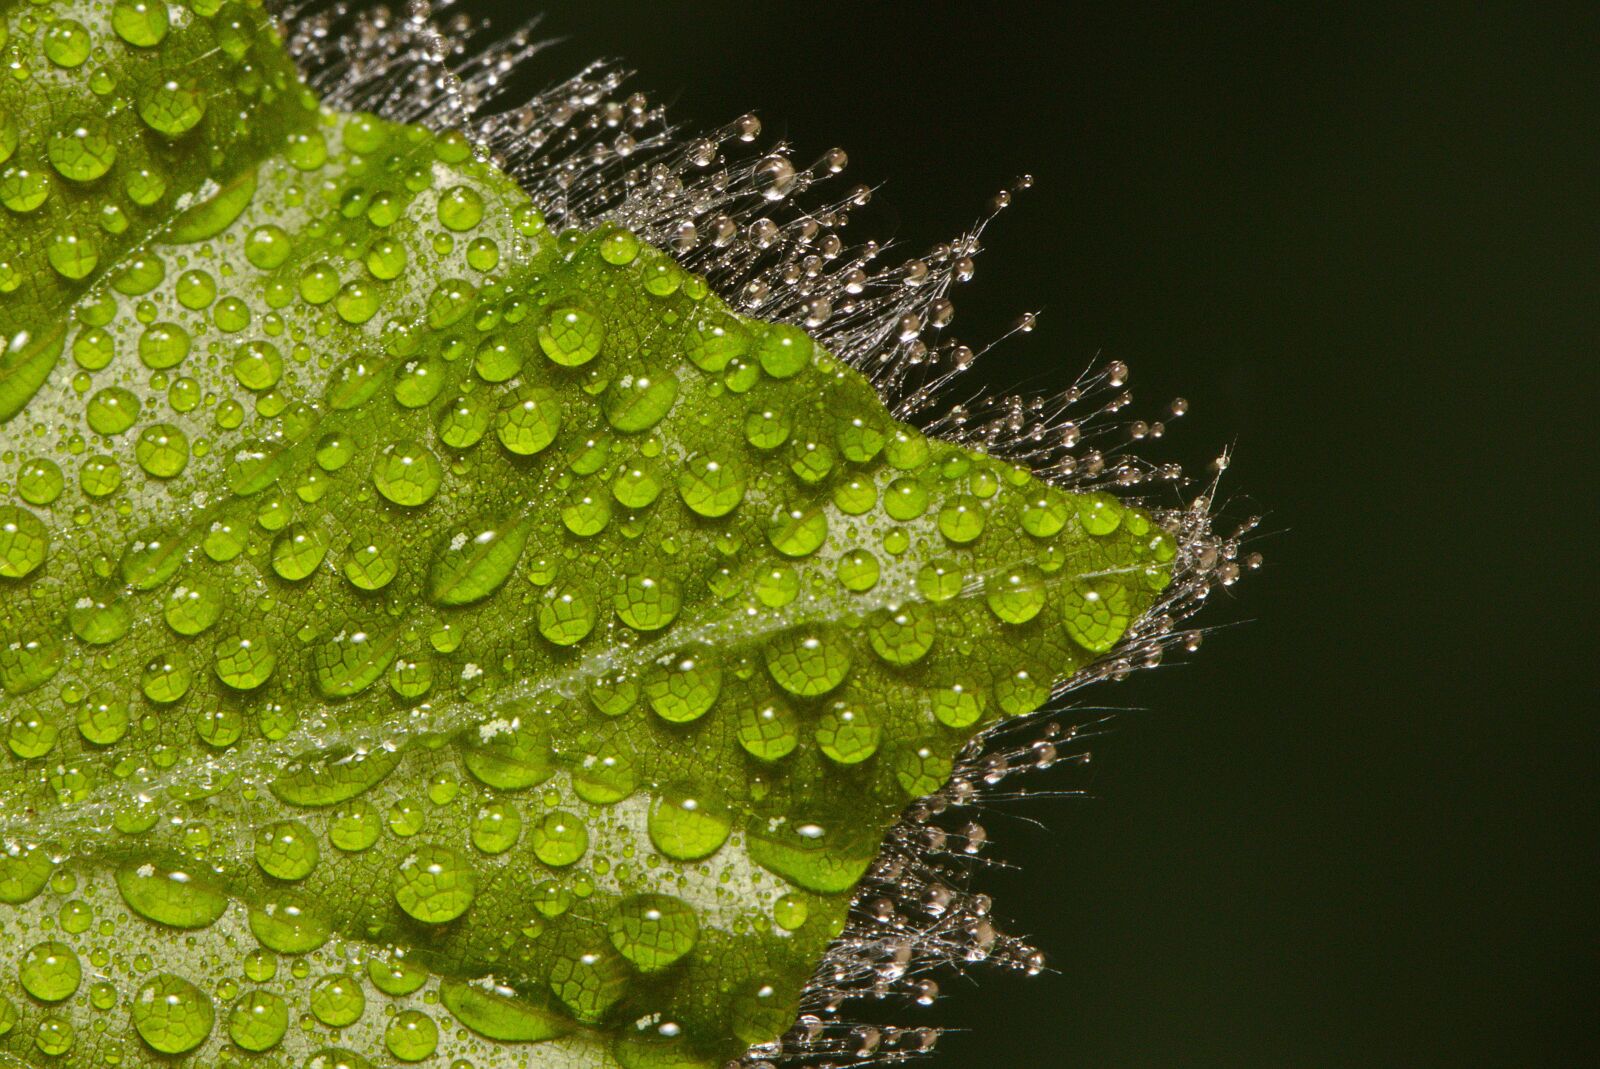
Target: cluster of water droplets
590,155
766,234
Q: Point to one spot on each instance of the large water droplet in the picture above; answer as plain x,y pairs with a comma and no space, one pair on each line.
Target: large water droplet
172,1015
176,897
435,884
688,824
50,971
476,561
24,541
652,930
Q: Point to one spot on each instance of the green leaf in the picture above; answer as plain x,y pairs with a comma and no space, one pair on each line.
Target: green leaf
424,636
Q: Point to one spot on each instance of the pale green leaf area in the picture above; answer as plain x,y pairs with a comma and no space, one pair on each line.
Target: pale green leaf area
427,638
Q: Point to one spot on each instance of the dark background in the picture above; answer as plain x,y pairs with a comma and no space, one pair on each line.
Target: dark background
1357,828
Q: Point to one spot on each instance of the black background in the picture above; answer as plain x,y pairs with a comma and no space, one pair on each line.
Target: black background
1356,829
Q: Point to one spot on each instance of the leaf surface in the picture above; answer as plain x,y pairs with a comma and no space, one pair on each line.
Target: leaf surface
424,636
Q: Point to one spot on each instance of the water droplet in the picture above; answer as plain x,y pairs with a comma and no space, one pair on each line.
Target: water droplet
355,827
166,679
811,855
1100,513
174,897
172,107
196,290
286,850
39,482
566,615
162,450
768,731
715,341
508,756
847,735
257,365
24,870
66,43
258,1021
572,336
586,511
921,767
371,561
82,152
244,661
798,532
637,487
267,246
808,662
411,1036
607,775
1015,595
436,885
855,497
112,410
1022,691
1044,516
497,360
407,473
784,350
501,1014
688,824
483,254
560,839
857,570
528,420
100,623
1097,613
903,634
396,975
172,1015
337,1001
638,402
163,345
298,551
476,561
333,776
495,828
619,247
102,719
712,487
24,540
357,301
286,923
460,208
790,912
652,930
23,190
686,690
54,1036
761,1014
141,23
50,971
319,282
812,461
961,520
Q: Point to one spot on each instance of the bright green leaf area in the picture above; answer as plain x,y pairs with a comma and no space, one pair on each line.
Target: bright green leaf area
426,637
